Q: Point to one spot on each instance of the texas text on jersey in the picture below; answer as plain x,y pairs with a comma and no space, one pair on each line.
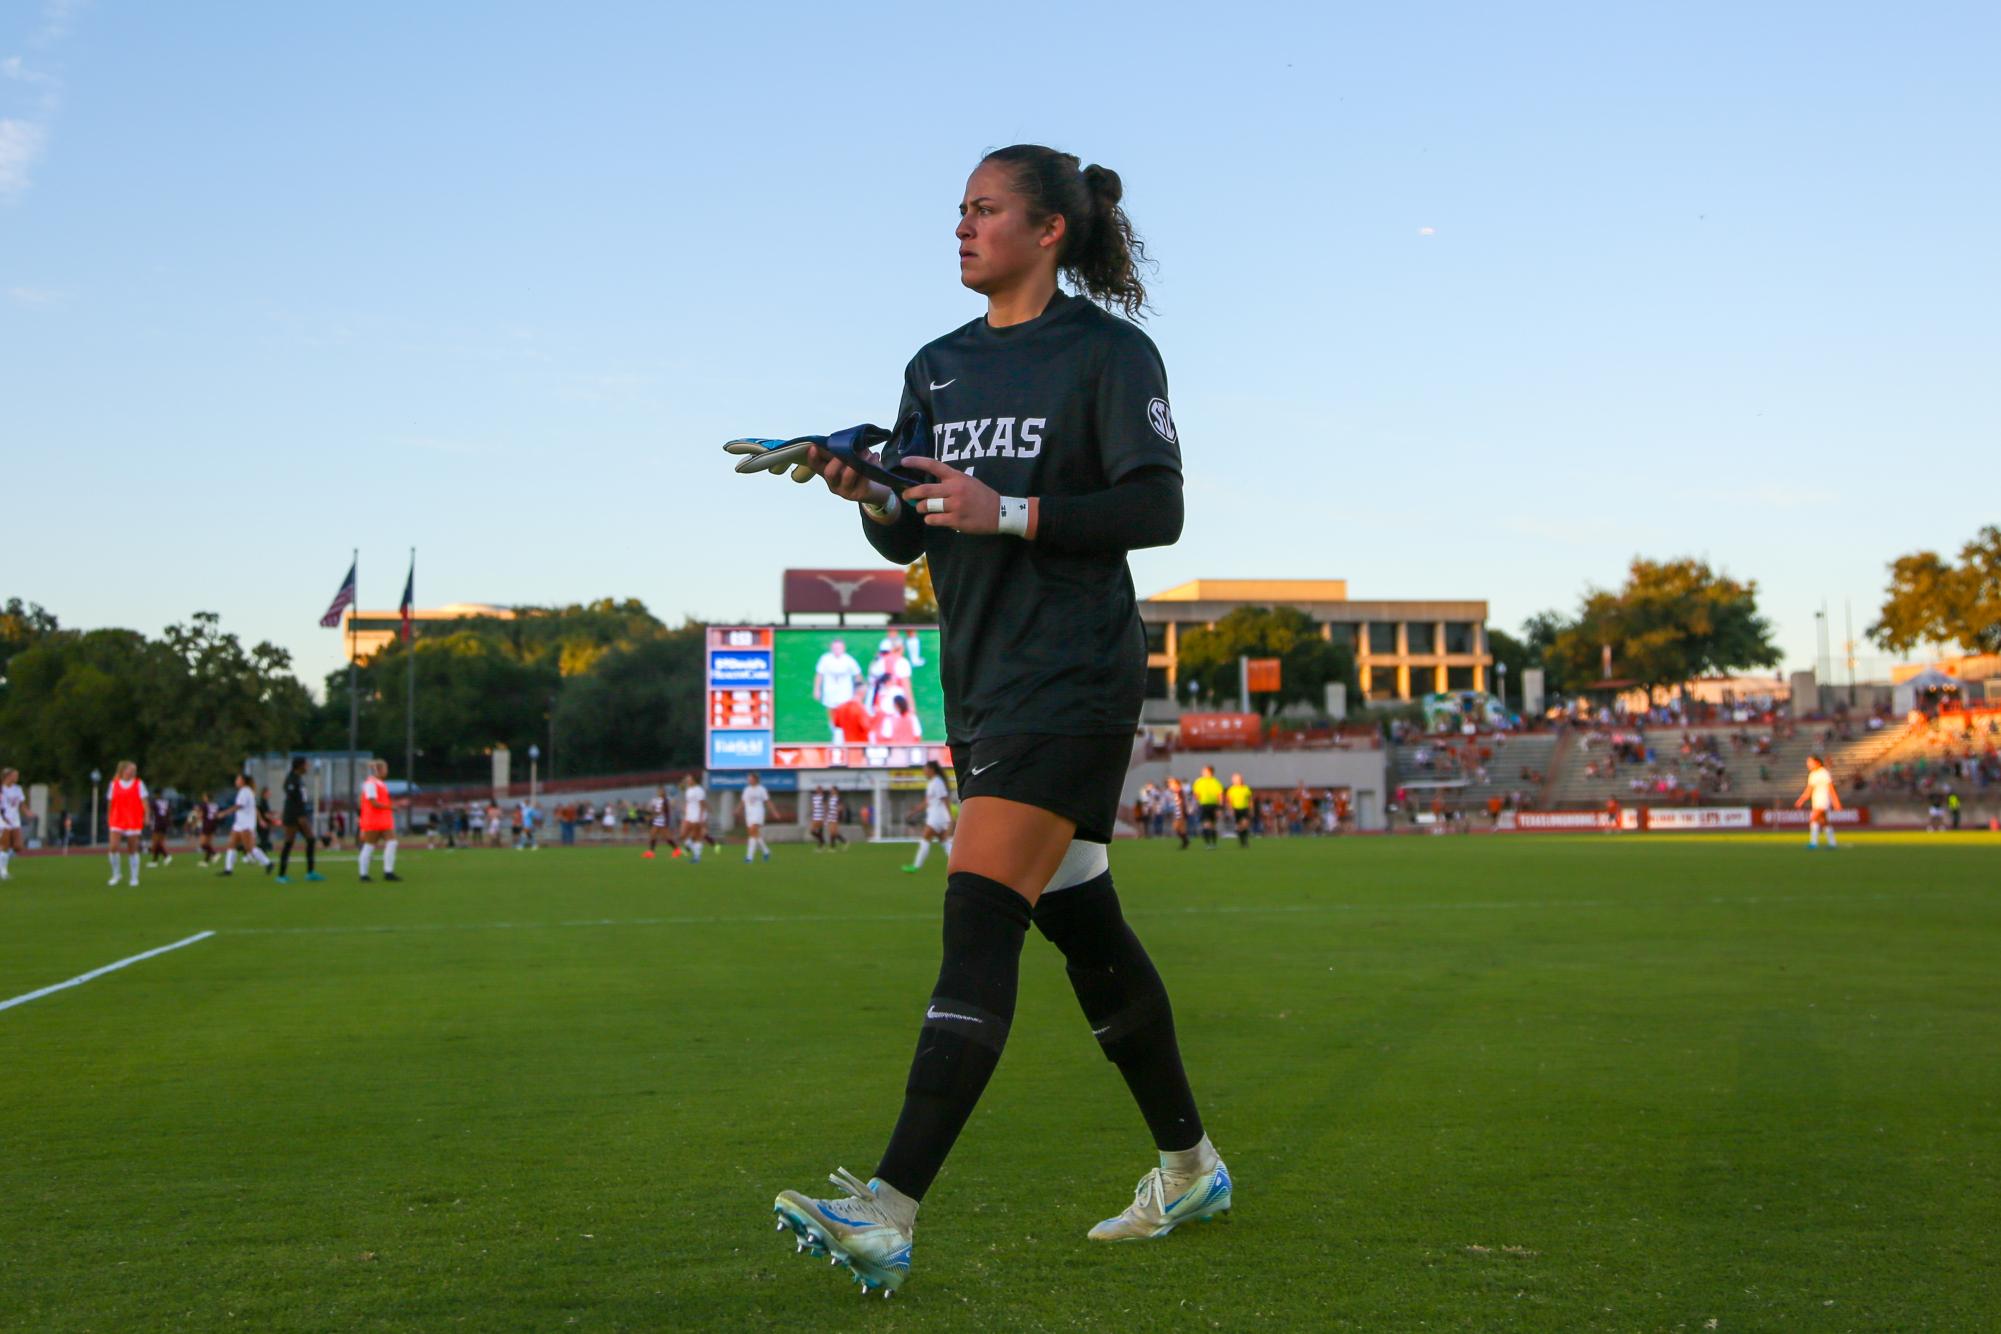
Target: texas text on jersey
1068,403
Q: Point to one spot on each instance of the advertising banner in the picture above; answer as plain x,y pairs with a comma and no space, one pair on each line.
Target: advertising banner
1698,817
1544,821
1791,819
737,782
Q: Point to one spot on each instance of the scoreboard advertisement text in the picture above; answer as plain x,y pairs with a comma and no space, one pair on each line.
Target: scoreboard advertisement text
824,697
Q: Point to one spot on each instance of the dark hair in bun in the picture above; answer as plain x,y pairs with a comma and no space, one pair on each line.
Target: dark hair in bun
1101,253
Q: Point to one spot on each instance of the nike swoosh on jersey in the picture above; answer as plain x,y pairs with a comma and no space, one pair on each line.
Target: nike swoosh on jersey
936,387
983,768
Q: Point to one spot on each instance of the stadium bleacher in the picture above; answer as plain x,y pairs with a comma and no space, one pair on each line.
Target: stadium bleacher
1728,764
1489,765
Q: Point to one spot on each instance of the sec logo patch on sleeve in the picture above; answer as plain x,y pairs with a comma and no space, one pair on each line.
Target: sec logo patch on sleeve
1161,420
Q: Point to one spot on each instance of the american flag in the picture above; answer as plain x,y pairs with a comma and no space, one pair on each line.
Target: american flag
342,600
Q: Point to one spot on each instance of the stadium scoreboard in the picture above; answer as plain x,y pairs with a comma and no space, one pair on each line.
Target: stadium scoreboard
824,697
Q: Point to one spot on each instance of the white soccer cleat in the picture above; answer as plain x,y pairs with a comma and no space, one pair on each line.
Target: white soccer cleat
861,1231
1165,1200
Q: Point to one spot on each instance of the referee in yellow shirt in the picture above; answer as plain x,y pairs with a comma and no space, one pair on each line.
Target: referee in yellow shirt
1239,797
1209,800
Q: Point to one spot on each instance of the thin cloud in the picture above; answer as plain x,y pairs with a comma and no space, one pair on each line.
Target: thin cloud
34,296
25,138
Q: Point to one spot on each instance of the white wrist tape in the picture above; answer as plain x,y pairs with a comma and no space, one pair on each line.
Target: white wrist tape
883,503
1013,517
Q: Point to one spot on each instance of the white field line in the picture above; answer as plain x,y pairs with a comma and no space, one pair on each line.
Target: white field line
82,978
821,919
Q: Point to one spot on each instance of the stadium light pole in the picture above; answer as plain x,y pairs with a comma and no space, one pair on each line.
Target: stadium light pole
534,754
96,778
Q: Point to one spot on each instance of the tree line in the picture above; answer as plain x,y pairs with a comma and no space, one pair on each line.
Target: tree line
607,687
611,685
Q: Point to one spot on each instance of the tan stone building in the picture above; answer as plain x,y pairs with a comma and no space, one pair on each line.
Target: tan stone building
366,633
1404,648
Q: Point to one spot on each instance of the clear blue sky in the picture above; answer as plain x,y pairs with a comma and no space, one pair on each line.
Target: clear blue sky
497,281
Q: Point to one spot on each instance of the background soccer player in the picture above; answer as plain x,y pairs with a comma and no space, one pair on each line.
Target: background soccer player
1062,411
296,818
694,817
1180,805
202,819
661,811
243,829
160,813
755,798
937,814
127,817
1820,791
378,821
12,799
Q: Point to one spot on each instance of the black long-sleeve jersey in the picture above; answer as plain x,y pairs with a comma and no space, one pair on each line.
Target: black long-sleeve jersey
1040,636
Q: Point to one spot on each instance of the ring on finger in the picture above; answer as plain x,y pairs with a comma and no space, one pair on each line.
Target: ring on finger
934,505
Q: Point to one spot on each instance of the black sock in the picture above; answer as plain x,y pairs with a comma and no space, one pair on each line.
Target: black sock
310,868
1126,1004
965,1028
285,857
1244,838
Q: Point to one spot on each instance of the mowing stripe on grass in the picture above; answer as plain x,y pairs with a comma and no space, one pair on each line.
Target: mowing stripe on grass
1217,910
82,978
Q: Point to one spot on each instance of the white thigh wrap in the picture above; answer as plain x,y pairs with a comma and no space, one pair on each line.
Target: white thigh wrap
1084,861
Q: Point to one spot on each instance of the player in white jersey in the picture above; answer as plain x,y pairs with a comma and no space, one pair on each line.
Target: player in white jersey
694,817
937,814
12,799
243,829
1820,791
756,797
836,679
661,811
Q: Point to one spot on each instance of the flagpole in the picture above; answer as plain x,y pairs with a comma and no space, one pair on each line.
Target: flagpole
410,683
353,699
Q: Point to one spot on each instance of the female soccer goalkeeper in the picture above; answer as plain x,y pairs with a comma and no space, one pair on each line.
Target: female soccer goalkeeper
1055,455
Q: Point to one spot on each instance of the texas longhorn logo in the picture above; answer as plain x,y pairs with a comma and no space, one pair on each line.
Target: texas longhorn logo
844,588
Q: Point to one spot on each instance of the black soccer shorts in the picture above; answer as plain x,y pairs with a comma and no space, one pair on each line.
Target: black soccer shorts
1077,777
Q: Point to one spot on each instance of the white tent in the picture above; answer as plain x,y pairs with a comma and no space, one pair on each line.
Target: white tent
1916,692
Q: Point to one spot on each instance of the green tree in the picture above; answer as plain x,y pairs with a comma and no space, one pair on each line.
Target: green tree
1933,601
1308,661
211,703
1513,654
641,707
473,693
572,637
76,702
920,600
1671,622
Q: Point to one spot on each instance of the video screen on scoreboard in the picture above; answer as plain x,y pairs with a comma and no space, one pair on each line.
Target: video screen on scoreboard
824,697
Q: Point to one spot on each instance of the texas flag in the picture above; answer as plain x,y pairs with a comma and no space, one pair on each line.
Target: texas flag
409,599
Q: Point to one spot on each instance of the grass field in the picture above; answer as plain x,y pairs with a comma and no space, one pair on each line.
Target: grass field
1540,1083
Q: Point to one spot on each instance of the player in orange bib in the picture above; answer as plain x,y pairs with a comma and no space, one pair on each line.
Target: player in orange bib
378,821
127,817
